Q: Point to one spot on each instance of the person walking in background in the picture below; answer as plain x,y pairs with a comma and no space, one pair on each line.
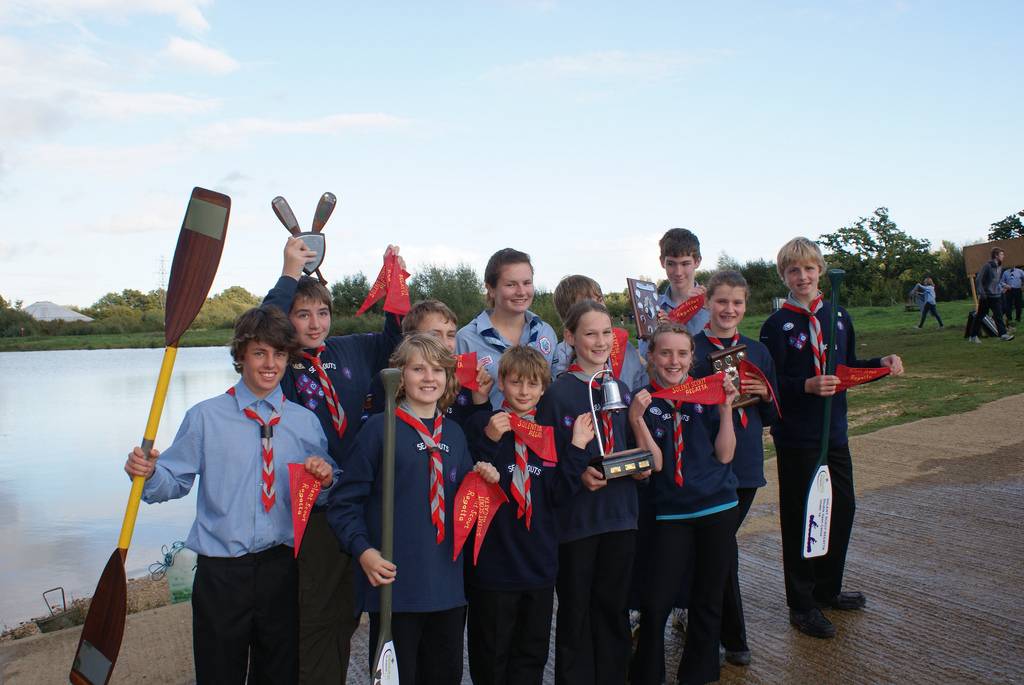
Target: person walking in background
927,292
1012,279
990,295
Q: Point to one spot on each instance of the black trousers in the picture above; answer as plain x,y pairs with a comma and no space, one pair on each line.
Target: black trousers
592,639
509,634
734,628
813,581
327,618
245,619
1013,303
706,545
428,645
926,309
985,305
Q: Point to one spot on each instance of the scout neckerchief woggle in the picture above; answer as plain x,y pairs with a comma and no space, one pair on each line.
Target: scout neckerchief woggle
436,468
717,342
334,407
606,417
268,492
817,341
521,473
677,434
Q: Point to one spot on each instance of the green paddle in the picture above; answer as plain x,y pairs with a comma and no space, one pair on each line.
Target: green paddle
385,672
200,244
818,510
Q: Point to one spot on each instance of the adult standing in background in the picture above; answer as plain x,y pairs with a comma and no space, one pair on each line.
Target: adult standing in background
1012,279
508,278
927,290
990,295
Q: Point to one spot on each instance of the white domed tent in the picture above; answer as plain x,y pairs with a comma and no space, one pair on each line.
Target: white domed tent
48,311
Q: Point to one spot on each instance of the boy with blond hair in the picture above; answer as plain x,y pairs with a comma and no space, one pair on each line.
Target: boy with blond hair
573,289
798,338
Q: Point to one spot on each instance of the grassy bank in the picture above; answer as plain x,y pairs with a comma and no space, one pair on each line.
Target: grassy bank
203,338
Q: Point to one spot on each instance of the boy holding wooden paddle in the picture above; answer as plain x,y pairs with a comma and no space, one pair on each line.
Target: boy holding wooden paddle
240,443
798,338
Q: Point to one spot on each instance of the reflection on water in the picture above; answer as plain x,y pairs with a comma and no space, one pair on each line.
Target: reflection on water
67,421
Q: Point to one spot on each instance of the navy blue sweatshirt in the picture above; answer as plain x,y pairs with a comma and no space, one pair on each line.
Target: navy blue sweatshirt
350,361
512,558
613,507
708,485
459,411
748,462
427,578
786,334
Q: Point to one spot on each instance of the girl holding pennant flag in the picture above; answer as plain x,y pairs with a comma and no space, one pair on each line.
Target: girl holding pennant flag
727,303
598,525
431,460
693,498
511,589
797,338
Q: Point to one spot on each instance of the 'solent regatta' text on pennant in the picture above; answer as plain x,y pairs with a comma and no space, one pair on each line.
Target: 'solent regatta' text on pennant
707,390
304,488
391,285
476,502
540,439
850,376
687,310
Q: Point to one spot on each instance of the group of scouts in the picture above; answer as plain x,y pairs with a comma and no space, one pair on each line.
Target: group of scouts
611,549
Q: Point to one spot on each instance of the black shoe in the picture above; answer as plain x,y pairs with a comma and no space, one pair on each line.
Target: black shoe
739,657
845,601
812,622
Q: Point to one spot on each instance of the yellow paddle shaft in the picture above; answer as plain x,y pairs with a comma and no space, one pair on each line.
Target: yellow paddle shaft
155,409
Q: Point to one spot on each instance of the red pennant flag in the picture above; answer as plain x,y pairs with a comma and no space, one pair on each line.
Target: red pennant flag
707,390
476,503
304,487
620,338
465,370
379,288
849,377
750,367
540,439
687,310
397,300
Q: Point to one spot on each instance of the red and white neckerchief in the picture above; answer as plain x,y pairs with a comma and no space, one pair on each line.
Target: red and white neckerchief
817,340
717,342
268,492
677,434
330,396
521,473
606,417
436,466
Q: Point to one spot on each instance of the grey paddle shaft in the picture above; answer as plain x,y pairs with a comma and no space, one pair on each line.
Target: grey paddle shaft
390,377
835,279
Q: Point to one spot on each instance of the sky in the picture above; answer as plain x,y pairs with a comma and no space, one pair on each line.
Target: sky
575,131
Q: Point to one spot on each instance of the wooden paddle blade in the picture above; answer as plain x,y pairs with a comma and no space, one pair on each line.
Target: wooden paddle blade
818,514
324,208
100,641
285,215
196,257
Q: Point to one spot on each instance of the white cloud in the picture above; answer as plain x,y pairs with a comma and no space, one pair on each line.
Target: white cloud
617,64
198,56
186,13
240,129
122,105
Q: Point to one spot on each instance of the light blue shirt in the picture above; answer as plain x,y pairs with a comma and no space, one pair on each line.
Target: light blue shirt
218,442
480,336
694,325
927,293
1012,277
633,373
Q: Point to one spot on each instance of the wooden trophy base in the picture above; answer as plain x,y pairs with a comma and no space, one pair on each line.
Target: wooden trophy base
624,463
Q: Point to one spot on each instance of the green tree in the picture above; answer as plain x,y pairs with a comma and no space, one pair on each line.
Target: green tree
459,287
877,256
347,295
950,273
1010,227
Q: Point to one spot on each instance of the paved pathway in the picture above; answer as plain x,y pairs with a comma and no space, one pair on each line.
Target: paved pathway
936,547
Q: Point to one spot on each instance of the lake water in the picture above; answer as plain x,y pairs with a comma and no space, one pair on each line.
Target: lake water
67,422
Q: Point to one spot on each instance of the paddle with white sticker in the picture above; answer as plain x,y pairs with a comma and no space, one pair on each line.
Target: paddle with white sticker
818,510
